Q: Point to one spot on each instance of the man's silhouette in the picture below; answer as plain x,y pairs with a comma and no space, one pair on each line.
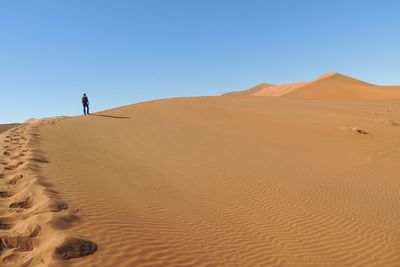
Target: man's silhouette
85,103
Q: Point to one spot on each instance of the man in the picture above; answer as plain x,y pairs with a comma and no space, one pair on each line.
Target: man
85,103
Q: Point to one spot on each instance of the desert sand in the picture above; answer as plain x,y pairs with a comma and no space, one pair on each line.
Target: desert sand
5,127
330,86
209,181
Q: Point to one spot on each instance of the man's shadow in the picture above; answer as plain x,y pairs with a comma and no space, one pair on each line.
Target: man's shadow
108,116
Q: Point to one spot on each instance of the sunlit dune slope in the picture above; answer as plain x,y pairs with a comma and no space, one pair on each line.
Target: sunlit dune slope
251,91
280,90
232,181
340,87
330,86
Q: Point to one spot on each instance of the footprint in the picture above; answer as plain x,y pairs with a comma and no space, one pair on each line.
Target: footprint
14,166
354,130
20,205
14,257
59,206
18,243
36,232
75,248
5,224
40,159
15,179
4,194
19,156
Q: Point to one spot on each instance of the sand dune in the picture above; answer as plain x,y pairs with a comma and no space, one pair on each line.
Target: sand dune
330,86
251,91
32,214
5,127
280,90
213,181
209,181
339,87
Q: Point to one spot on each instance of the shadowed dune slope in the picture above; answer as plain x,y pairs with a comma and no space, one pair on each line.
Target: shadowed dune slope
232,181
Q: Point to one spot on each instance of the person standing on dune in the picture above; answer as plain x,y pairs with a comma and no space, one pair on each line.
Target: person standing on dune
85,103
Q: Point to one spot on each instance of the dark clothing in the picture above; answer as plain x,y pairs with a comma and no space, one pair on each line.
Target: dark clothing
85,100
86,109
85,103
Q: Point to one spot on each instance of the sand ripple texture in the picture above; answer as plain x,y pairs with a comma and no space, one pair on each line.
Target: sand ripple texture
224,181
34,220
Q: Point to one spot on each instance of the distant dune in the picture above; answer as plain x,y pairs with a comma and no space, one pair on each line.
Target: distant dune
5,127
251,91
331,86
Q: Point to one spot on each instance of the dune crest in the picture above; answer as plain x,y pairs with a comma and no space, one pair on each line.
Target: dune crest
329,75
280,90
252,90
330,86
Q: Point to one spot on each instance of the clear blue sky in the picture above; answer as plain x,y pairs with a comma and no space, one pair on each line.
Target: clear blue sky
123,52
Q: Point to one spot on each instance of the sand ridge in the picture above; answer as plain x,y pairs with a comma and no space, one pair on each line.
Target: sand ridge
251,91
34,220
330,86
280,90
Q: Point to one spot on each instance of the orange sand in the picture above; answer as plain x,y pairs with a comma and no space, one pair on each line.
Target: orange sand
5,127
208,181
330,86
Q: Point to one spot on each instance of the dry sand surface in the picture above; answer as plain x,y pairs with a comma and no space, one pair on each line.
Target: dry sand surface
33,218
207,181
